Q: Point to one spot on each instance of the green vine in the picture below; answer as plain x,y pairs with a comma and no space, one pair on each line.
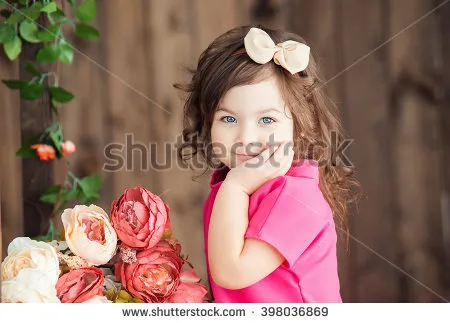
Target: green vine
19,24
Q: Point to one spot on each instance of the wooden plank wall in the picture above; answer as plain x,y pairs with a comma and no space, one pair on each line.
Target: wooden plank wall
415,119
123,85
10,170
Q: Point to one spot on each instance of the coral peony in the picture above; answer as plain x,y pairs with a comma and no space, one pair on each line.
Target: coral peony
80,285
154,276
140,218
44,152
190,290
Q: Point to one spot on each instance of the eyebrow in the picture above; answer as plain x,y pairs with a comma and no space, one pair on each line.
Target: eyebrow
260,112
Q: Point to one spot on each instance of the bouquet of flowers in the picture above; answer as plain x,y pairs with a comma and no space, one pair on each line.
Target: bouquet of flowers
127,257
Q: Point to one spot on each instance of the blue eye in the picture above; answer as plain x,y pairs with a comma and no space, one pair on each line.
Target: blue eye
267,120
228,119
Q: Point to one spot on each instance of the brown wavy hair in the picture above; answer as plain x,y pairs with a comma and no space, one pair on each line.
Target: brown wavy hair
316,119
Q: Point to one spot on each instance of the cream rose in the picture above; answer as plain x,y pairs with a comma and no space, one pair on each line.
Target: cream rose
89,233
29,286
26,253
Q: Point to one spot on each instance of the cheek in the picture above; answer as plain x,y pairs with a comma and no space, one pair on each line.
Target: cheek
221,134
219,140
283,132
216,136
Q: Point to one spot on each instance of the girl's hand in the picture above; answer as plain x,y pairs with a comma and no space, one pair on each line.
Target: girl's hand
252,174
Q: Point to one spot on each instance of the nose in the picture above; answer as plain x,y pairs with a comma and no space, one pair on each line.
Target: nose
248,140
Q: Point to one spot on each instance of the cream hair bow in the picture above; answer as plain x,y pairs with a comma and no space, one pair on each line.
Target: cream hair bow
292,55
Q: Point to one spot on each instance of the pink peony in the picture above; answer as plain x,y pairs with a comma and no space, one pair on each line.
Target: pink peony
80,285
140,218
189,290
154,276
68,147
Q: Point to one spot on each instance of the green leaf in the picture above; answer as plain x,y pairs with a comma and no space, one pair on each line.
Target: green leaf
32,69
87,11
91,184
72,2
49,33
14,84
86,32
25,152
7,32
56,141
70,195
51,194
54,105
13,48
32,91
66,52
49,7
89,199
34,11
60,95
57,15
48,53
28,30
5,13
15,17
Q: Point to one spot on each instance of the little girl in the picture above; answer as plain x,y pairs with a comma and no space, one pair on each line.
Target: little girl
256,114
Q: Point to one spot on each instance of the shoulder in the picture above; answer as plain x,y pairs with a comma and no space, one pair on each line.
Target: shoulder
299,194
289,213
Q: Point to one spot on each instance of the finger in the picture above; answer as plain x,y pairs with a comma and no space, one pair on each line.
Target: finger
272,154
275,163
261,159
280,167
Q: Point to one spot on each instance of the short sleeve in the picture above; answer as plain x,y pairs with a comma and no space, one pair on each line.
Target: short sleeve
290,217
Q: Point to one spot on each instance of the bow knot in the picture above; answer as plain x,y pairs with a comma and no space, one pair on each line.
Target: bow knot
291,55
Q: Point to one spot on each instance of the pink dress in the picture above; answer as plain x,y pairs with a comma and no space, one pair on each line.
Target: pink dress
290,213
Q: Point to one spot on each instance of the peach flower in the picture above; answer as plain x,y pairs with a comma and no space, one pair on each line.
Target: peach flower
67,147
89,233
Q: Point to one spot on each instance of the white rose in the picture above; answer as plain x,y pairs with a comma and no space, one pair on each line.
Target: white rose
26,253
98,299
29,286
89,233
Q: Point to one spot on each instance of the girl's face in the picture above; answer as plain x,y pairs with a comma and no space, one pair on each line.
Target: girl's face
250,119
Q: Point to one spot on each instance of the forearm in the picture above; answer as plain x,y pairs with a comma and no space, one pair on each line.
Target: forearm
228,224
